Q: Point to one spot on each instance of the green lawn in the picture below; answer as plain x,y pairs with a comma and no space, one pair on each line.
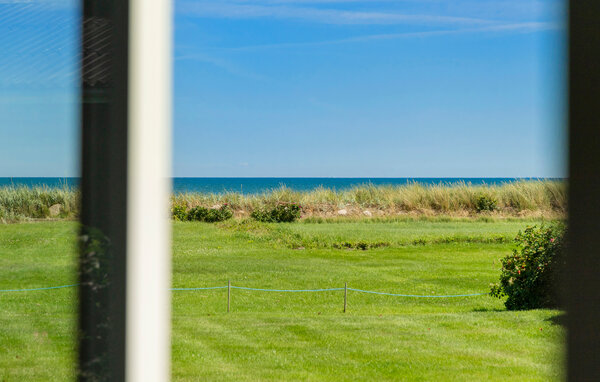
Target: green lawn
298,336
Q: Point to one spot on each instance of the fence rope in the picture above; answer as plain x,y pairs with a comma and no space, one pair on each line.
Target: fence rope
273,290
192,289
286,290
416,295
34,289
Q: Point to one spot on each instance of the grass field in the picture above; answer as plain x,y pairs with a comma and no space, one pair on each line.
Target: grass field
299,336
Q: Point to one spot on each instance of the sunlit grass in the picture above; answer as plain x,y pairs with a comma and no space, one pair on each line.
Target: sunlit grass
298,336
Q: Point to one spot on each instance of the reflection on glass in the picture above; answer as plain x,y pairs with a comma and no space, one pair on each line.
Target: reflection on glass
39,119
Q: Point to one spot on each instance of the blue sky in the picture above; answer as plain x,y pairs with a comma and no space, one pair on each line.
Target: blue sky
428,88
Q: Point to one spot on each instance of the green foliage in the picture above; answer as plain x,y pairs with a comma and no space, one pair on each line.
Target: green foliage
179,213
485,203
261,215
286,212
419,241
361,245
282,213
198,213
530,274
210,215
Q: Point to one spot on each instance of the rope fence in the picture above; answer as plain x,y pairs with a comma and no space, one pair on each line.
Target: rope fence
34,289
229,287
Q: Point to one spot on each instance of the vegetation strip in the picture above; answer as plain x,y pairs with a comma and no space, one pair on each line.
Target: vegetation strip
546,198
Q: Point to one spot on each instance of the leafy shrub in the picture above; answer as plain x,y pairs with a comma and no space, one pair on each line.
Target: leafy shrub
179,213
210,215
286,212
197,214
530,274
485,203
282,213
220,214
262,216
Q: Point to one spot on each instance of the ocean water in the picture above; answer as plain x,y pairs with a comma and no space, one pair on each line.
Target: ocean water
259,185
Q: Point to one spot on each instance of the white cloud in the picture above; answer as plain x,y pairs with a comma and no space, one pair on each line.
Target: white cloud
225,65
319,15
527,27
424,12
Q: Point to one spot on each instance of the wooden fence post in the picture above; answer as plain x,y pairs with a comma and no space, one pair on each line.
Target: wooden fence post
345,296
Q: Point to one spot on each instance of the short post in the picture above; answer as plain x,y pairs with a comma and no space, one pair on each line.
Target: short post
345,296
228,294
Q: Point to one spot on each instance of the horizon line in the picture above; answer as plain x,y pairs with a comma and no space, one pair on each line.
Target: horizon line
316,177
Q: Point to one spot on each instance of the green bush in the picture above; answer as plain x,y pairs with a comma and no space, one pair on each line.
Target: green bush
197,214
282,213
529,277
179,213
210,215
485,203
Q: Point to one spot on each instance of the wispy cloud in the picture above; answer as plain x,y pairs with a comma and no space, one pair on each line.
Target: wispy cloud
367,12
225,65
527,27
236,10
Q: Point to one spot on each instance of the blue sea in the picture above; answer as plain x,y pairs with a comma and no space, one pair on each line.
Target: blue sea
259,185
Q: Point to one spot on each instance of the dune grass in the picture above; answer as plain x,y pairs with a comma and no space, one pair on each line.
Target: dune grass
299,336
541,198
523,198
20,203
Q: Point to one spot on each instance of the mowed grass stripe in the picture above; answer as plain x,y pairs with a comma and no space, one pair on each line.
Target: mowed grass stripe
342,348
297,336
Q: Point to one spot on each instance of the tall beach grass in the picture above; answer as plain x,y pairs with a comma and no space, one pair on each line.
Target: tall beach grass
522,198
20,203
